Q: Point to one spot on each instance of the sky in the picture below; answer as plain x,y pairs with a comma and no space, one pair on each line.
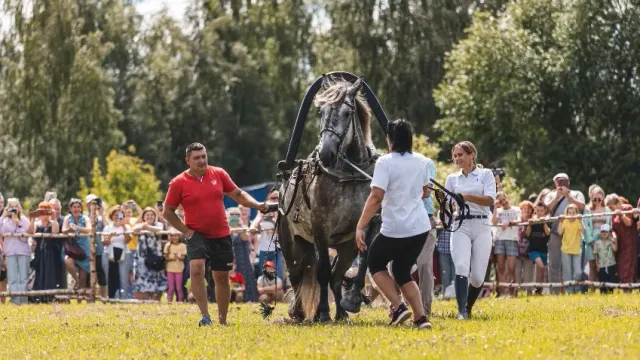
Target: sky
175,8
147,8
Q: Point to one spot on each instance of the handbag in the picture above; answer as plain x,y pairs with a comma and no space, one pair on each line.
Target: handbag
74,251
152,260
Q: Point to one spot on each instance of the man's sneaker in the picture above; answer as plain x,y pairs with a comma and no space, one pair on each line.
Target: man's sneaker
399,315
463,316
423,323
206,321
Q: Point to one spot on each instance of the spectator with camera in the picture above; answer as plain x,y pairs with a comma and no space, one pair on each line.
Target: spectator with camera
242,250
97,220
128,208
150,277
47,261
115,239
557,201
78,248
16,249
270,287
265,224
506,243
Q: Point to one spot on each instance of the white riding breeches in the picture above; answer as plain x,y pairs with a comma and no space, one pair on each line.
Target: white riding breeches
471,249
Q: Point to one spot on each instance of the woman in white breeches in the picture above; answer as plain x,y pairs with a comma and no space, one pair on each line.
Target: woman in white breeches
471,243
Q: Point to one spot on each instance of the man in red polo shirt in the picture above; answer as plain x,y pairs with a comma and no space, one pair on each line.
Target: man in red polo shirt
201,190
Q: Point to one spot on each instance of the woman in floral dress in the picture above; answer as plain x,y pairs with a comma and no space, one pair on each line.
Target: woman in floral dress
148,284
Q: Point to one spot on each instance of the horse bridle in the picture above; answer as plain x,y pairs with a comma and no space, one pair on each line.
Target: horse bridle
333,130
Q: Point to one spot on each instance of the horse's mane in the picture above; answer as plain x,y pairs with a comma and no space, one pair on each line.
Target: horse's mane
335,90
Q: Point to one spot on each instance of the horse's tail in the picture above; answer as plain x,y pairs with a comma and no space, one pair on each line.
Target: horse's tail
309,290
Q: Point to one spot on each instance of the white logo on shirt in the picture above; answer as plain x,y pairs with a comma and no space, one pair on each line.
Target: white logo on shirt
214,182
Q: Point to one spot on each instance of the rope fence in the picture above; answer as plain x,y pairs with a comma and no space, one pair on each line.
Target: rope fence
553,219
494,285
90,294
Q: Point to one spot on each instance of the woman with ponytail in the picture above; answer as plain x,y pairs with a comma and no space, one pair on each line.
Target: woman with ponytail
471,243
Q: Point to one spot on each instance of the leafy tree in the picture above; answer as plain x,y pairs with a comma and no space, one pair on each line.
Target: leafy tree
126,177
550,87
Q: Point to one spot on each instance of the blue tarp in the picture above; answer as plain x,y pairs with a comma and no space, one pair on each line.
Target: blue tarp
258,191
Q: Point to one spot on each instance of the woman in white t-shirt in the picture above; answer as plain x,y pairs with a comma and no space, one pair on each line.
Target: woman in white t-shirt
115,241
400,182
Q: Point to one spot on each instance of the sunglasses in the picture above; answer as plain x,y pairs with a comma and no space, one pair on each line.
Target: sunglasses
597,200
273,198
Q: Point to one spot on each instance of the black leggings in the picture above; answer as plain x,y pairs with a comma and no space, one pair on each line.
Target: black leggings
402,251
114,273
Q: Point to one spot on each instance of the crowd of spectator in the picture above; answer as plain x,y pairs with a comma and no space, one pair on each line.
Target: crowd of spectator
134,262
601,247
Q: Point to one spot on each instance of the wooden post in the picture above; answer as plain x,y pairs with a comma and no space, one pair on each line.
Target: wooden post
92,258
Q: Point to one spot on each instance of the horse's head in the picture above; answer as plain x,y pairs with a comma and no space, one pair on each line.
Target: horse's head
339,107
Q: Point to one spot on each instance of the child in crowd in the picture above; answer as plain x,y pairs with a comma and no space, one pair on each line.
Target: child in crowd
538,236
604,252
236,280
175,253
571,230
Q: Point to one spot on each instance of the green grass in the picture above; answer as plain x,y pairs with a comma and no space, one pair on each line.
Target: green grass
536,327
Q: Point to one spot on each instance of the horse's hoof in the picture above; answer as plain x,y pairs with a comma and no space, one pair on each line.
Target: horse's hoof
351,301
322,317
296,314
342,316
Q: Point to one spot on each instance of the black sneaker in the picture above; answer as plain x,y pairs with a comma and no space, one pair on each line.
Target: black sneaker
399,315
422,323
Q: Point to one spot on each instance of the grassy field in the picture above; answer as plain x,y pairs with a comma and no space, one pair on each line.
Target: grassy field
536,327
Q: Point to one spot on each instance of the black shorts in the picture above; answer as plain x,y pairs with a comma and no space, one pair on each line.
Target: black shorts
219,252
402,251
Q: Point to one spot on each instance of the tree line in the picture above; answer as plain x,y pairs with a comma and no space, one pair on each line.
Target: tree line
539,85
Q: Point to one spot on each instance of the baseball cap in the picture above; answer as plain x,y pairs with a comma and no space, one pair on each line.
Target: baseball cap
605,227
561,176
269,263
89,198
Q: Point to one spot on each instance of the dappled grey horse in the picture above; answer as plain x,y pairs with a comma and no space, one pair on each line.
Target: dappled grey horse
322,197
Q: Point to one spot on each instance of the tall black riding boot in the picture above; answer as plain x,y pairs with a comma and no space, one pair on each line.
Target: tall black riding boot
461,284
474,292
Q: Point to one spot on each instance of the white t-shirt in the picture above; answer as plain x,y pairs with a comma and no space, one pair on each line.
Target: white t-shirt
116,240
479,182
402,177
505,216
266,242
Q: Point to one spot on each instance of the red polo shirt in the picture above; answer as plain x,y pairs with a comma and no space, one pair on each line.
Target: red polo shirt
202,201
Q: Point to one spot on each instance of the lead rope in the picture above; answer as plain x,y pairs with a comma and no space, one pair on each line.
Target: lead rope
266,309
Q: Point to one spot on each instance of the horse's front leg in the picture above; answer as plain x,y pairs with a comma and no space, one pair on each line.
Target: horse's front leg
323,274
353,296
346,254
